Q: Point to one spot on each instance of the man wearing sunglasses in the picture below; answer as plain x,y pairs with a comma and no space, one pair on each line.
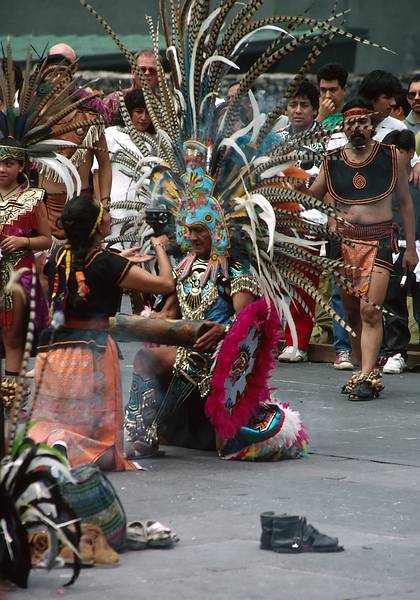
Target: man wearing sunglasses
146,62
413,119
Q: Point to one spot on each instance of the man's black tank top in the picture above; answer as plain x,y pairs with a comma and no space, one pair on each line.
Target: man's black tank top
365,182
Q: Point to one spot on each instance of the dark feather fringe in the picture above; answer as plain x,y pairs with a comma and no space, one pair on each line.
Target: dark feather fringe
19,397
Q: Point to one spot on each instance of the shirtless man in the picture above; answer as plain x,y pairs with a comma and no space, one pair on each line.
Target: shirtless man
360,185
90,139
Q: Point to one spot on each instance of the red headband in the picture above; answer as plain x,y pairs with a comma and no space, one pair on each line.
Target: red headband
357,112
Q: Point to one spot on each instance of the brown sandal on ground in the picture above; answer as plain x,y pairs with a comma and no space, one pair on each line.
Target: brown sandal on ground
103,554
85,552
94,549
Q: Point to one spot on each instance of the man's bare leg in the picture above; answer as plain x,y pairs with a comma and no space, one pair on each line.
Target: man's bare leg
352,308
371,319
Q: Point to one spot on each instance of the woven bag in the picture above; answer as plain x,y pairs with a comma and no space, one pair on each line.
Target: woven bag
95,501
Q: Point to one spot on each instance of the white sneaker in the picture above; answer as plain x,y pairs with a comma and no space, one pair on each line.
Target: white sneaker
395,364
291,354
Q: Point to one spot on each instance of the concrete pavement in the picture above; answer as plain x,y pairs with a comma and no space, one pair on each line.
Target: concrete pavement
361,482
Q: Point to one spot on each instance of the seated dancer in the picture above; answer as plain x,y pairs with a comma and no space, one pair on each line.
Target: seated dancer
78,407
170,371
360,184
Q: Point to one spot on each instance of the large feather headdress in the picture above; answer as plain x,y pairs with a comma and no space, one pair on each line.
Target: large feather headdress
229,172
30,123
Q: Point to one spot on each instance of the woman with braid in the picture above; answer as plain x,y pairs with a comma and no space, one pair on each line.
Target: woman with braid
78,407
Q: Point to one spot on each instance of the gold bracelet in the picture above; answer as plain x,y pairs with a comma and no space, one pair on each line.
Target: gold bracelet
158,244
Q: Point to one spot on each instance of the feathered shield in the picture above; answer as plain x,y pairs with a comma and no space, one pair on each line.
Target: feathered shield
242,370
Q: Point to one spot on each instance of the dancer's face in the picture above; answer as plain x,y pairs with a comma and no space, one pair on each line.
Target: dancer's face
358,130
200,240
9,171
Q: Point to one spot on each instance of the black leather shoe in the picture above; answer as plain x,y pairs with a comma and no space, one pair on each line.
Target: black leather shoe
292,534
267,529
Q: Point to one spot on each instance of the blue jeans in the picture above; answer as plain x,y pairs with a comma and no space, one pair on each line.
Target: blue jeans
341,340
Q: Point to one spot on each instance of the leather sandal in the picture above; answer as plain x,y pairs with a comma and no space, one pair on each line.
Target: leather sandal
367,387
159,536
152,534
103,554
347,388
94,549
136,538
41,551
85,553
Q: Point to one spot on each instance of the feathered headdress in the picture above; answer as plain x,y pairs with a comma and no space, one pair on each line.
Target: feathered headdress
30,120
223,168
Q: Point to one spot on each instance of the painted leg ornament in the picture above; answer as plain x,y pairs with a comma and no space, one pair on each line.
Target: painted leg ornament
140,427
8,394
347,388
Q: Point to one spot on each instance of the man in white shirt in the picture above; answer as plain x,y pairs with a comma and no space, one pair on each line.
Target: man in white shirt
380,88
413,97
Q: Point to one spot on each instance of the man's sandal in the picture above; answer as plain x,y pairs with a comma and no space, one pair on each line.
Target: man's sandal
367,387
347,388
94,549
151,534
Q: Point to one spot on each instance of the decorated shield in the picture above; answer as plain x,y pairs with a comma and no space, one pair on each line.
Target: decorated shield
240,378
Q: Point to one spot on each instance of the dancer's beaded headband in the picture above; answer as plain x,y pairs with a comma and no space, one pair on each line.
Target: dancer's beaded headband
10,152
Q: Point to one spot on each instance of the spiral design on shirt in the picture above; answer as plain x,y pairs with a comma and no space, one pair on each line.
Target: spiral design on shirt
359,181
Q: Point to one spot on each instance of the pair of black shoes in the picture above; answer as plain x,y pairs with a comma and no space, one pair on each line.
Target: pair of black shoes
285,533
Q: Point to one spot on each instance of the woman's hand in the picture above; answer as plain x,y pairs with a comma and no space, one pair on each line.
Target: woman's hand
161,240
134,255
11,243
211,338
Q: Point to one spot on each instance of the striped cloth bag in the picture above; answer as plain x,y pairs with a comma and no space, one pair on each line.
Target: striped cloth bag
95,501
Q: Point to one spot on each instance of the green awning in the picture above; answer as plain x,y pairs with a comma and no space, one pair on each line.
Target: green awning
84,45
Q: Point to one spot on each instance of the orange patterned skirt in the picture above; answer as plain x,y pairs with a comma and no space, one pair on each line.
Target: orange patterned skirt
80,402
